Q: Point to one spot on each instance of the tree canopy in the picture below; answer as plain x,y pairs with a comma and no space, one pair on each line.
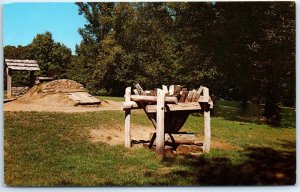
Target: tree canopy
240,50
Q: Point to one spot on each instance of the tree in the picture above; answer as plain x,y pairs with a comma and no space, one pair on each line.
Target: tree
52,57
242,51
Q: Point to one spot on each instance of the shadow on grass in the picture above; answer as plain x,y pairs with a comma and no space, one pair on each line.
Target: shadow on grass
264,166
250,113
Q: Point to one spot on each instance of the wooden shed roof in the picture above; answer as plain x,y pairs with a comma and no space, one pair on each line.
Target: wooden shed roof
22,65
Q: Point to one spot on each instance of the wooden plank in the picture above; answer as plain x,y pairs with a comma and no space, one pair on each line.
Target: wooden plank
184,95
191,106
127,119
203,99
211,104
165,89
21,65
19,61
171,90
160,125
177,89
9,83
147,92
24,68
136,91
139,89
145,98
190,96
197,94
152,92
207,133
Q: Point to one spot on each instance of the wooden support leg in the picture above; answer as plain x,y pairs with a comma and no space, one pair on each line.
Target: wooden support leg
207,133
160,123
127,119
9,83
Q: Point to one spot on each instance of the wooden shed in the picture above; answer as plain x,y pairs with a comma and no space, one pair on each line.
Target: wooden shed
18,65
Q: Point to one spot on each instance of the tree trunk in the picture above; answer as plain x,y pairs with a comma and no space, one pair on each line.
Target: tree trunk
271,110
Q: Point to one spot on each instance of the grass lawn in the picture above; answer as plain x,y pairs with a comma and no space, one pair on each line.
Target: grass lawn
119,99
53,149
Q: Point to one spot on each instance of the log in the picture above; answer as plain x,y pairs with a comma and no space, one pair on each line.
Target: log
160,123
130,105
177,90
145,98
192,106
127,119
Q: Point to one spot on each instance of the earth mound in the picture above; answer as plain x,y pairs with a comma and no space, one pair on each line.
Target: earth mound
62,92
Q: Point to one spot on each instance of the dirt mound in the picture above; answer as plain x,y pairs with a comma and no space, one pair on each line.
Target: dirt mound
52,93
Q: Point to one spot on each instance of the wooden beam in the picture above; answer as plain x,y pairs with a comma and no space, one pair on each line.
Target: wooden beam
171,89
147,98
197,94
192,106
9,83
130,105
207,133
160,126
165,89
127,119
139,89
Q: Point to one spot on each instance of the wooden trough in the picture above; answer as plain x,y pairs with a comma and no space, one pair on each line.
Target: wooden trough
168,110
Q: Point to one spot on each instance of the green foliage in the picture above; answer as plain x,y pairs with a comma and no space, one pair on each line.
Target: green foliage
241,51
52,57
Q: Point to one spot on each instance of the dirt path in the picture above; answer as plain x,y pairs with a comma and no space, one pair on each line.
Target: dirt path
139,134
27,106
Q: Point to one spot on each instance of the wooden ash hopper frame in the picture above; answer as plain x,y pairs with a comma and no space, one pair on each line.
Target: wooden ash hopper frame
168,110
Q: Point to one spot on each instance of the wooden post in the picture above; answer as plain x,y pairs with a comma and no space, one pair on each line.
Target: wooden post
9,83
160,126
31,79
207,134
127,119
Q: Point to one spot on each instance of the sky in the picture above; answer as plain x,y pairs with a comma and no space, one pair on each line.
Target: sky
23,21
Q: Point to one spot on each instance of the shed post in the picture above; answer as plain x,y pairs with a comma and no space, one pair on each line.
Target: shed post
127,119
9,83
160,119
207,133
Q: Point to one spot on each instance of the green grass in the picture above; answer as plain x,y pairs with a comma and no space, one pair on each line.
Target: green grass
53,149
118,99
